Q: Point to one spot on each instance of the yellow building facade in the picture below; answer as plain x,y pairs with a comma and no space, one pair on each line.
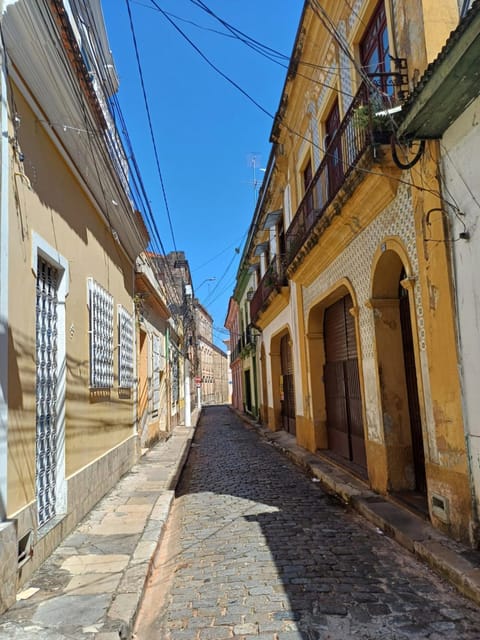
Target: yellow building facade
70,237
358,354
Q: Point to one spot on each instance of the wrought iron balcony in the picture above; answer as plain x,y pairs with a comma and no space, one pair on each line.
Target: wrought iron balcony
273,280
361,128
237,349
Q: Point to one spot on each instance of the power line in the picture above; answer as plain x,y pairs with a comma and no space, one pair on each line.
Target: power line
222,277
258,47
240,35
147,108
210,63
114,147
333,31
233,244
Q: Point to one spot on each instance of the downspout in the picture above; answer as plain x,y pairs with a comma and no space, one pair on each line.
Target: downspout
4,327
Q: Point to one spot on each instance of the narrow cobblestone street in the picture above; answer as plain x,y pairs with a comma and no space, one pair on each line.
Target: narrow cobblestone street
255,549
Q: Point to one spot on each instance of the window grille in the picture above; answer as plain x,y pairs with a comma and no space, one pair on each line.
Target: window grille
156,347
46,390
175,378
125,348
100,304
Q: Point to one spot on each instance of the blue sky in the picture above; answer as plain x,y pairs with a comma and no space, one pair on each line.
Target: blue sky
208,135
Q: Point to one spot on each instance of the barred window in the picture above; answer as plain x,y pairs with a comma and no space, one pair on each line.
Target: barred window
155,372
100,305
125,348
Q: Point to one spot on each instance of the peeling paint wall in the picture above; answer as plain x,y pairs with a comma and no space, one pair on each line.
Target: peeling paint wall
459,146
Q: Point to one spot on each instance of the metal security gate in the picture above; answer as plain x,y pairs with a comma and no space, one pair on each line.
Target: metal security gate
155,375
342,384
46,390
288,387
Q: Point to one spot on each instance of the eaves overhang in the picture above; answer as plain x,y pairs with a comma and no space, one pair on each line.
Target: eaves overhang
450,83
46,66
271,219
147,290
260,248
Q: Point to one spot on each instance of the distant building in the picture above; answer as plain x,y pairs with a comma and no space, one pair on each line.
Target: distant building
212,361
158,357
232,323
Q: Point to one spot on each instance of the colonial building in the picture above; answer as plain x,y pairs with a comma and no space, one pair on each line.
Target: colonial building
70,237
211,377
157,356
243,338
448,110
232,323
173,270
353,290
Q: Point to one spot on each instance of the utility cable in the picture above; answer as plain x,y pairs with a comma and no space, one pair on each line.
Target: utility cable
107,158
147,108
210,63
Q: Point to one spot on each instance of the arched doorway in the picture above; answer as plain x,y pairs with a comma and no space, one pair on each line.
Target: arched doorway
287,386
342,384
392,298
418,453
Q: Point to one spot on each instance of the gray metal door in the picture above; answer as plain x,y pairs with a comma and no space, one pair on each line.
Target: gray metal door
46,390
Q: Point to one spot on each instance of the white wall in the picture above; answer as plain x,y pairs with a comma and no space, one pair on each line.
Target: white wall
460,158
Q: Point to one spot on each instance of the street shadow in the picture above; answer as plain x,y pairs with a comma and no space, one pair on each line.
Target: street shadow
334,573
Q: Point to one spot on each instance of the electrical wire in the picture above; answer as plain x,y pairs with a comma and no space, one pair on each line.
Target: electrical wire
210,63
261,49
135,175
222,277
150,125
240,35
100,147
210,260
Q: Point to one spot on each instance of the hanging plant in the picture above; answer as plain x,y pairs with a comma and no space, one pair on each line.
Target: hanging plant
366,117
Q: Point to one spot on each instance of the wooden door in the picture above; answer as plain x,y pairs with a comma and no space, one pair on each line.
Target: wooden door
334,151
342,384
288,386
418,453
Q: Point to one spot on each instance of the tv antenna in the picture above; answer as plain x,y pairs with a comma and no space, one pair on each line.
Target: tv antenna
253,162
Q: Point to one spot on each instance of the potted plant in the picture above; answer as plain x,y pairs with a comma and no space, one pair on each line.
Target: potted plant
372,117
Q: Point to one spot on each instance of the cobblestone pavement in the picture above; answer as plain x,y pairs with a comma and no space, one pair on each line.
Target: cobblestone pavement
256,549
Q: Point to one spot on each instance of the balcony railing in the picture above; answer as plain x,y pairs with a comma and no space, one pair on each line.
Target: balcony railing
273,279
237,349
359,129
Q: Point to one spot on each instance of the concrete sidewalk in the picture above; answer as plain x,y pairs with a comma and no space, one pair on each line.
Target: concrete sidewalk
456,562
91,586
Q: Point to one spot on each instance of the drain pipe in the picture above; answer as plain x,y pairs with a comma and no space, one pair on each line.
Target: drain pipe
4,186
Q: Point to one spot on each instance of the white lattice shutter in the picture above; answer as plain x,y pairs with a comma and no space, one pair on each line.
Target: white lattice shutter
125,348
100,304
156,357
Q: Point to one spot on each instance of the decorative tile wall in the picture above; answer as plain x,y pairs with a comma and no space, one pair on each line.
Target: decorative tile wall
355,263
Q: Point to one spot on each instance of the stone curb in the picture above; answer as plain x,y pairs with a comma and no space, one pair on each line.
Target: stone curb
123,610
445,556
